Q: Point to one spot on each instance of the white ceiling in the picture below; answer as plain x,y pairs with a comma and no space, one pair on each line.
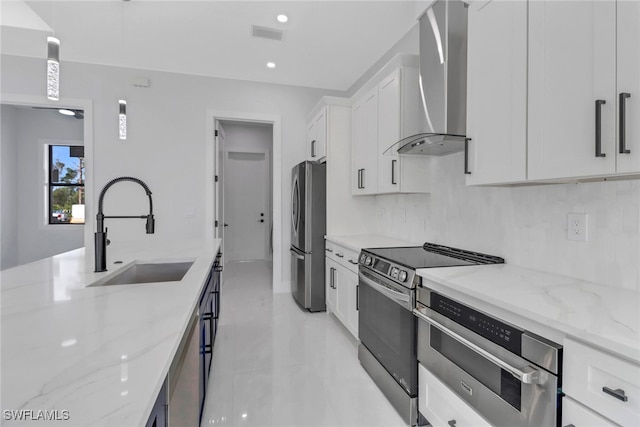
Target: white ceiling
327,44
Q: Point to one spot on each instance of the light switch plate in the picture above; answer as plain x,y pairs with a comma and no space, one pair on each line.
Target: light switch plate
577,225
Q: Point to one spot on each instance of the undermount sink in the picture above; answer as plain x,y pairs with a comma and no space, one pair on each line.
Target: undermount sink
148,272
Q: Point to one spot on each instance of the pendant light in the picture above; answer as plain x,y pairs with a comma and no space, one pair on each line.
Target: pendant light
122,104
122,119
53,68
53,60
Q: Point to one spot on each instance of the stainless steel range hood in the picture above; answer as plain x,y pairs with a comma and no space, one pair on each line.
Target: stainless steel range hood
443,82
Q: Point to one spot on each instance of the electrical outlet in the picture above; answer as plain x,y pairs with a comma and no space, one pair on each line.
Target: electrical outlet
577,226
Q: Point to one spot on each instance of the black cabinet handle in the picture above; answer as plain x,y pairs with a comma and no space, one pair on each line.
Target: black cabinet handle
357,297
331,278
353,262
339,255
452,423
359,179
617,393
328,250
466,160
363,178
623,123
313,148
599,103
393,172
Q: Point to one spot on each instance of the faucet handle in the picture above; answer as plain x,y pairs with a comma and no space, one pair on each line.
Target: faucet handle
108,242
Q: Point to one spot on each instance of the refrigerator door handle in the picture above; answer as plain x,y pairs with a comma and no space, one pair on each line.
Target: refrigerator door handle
296,254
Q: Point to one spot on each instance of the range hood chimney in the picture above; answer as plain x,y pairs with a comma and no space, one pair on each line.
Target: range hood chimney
443,82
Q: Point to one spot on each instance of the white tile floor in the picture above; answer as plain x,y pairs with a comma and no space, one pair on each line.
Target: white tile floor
275,365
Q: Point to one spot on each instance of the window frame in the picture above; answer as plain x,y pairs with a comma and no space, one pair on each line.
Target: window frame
49,146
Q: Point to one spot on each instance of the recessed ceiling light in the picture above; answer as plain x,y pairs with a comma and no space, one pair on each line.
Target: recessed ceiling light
282,18
66,112
271,65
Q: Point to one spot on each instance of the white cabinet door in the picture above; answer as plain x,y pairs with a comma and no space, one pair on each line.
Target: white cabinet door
330,277
389,132
572,73
342,299
628,34
369,174
497,92
351,283
317,136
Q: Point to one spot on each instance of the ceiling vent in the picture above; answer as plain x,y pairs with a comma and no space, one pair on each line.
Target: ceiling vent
267,33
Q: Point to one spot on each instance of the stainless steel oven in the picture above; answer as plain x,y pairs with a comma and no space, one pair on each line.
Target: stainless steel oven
387,326
509,376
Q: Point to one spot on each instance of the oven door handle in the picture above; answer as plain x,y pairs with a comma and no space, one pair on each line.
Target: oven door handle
526,375
394,295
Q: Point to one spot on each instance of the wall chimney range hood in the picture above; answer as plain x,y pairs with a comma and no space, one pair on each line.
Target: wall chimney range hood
443,82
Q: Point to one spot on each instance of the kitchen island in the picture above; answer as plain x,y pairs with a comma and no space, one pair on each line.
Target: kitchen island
84,355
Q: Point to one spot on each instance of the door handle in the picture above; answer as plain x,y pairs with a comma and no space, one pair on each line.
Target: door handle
623,123
599,103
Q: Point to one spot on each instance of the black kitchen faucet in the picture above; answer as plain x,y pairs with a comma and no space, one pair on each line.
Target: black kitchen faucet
100,239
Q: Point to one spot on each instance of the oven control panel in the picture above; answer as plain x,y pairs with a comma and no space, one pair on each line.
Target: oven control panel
388,269
505,335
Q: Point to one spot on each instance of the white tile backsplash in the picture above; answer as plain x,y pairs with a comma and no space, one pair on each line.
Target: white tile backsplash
525,225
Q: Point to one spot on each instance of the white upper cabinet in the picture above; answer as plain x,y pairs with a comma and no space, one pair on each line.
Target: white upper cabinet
628,61
364,119
497,92
553,91
572,88
317,136
387,112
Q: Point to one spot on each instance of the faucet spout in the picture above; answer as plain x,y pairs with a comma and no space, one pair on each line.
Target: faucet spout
100,237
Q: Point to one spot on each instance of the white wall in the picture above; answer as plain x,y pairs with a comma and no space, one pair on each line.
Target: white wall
166,137
9,189
31,128
525,225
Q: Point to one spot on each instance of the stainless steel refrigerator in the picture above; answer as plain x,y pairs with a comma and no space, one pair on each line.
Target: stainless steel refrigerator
308,227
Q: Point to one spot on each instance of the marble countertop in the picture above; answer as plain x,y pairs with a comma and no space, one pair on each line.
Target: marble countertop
358,242
550,305
100,353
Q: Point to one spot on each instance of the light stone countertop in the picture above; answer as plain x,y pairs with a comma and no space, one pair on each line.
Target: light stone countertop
359,242
550,305
100,353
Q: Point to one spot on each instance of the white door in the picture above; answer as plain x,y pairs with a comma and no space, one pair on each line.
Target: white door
572,76
246,187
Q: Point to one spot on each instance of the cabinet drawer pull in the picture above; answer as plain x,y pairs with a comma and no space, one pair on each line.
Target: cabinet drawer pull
353,262
466,158
599,103
328,250
339,255
617,393
623,123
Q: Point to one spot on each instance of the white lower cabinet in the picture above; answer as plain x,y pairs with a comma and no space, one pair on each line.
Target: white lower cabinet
576,415
442,407
602,382
342,285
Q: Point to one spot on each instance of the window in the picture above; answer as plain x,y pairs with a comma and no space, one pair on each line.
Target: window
66,184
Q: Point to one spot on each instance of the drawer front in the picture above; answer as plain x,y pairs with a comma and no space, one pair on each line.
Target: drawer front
574,414
442,407
342,255
603,382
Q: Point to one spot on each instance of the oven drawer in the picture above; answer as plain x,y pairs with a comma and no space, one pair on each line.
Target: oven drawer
577,415
442,407
603,382
342,255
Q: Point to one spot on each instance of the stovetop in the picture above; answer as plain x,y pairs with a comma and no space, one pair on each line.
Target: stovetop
400,263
